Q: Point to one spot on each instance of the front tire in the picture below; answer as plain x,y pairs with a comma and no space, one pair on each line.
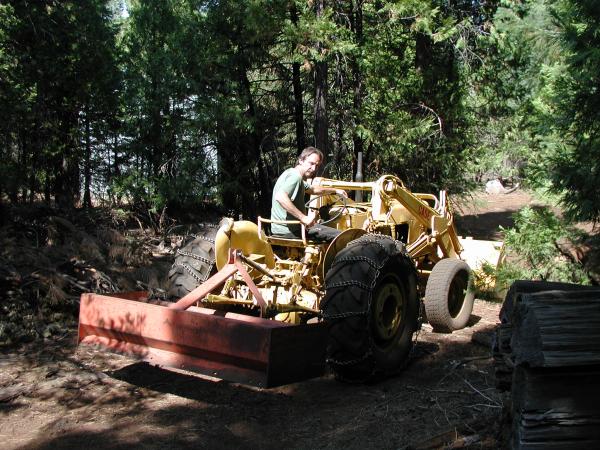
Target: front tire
449,295
371,307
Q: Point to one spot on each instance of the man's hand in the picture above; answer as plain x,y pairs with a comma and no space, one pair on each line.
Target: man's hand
341,193
308,220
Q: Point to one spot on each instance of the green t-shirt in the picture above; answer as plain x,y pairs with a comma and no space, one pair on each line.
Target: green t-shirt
292,183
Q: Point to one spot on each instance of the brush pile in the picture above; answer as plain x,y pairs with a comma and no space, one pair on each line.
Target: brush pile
48,258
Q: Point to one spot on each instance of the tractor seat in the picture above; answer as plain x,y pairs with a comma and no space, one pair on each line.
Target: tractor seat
282,240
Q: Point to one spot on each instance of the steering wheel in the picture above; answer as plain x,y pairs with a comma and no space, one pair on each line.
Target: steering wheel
324,216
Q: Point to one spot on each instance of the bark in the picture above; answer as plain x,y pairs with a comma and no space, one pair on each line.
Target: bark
550,334
320,107
297,86
87,170
357,79
66,183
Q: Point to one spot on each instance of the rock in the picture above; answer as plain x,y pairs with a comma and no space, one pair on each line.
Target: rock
494,187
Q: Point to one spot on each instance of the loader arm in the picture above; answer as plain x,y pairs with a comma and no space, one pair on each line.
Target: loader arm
438,222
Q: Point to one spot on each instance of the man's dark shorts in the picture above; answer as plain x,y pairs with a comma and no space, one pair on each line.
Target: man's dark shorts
318,233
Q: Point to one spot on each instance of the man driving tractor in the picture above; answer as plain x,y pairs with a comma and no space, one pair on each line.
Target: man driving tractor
288,202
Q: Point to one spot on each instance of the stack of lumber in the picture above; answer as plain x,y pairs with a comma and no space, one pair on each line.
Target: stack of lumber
547,352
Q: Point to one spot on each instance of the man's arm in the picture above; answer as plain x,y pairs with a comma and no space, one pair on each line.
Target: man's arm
318,190
284,200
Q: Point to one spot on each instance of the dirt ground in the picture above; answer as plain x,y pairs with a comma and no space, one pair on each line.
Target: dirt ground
54,394
482,215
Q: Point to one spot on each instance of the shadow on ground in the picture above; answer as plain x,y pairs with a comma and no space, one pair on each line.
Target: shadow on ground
485,226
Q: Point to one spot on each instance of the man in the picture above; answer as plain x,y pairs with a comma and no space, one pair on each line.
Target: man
288,199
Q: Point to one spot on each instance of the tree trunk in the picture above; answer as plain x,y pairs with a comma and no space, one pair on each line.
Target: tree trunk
320,108
298,109
357,100
87,170
297,86
423,52
254,154
66,185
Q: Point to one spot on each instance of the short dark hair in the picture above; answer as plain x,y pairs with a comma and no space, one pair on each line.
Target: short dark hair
310,151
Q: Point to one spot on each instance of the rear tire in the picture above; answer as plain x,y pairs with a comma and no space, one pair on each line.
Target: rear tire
449,295
194,264
371,307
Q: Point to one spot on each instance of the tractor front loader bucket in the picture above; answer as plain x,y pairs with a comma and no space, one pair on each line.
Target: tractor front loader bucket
478,253
484,257
234,347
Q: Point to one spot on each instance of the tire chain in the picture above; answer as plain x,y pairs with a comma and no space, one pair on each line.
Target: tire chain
363,286
192,272
369,261
373,239
197,257
204,238
343,315
419,327
376,239
377,268
189,269
350,362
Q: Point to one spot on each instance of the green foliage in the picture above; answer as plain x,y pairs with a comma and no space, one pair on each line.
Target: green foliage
507,87
59,76
182,99
575,166
532,244
538,100
183,102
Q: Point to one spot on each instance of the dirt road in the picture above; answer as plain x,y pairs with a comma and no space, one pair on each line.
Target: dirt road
60,396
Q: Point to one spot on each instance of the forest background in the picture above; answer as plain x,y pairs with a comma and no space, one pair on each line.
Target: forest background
184,103
154,113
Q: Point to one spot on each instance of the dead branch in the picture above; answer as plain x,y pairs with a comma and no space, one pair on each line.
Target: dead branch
480,393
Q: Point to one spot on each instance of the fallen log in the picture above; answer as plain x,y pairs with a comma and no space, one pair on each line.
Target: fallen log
555,408
557,329
521,287
548,345
504,359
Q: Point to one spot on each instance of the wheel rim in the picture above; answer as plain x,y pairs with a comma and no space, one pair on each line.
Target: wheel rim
388,309
457,293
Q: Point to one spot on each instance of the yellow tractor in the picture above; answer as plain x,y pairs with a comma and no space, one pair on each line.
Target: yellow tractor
265,310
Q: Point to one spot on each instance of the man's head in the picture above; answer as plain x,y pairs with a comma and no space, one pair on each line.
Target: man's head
308,161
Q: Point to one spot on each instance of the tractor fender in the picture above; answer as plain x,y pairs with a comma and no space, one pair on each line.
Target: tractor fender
338,244
241,235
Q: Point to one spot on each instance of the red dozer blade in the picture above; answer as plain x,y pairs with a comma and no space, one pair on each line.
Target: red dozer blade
234,347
